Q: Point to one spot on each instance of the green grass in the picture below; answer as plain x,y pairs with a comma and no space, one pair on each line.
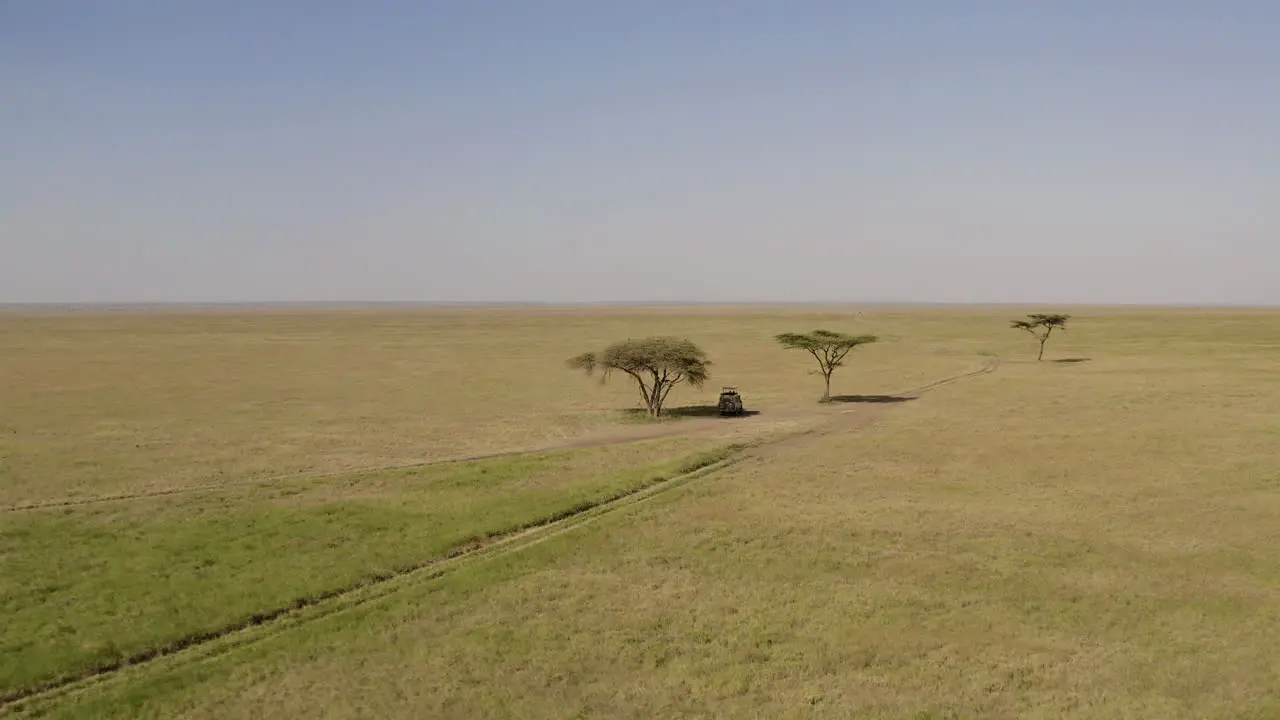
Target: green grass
87,587
1055,540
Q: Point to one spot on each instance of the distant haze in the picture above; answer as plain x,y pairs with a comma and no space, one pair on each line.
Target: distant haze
999,151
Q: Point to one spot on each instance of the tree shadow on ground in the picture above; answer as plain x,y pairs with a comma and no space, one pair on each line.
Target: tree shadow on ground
870,398
694,411
1066,361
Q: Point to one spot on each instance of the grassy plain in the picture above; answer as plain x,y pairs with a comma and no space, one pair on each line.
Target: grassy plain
97,404
89,586
1080,539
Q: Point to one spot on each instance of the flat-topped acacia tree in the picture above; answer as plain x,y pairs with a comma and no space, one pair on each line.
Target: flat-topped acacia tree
1041,326
656,364
827,347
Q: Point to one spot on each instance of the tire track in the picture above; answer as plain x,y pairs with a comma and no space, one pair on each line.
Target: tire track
265,624
988,367
210,487
576,444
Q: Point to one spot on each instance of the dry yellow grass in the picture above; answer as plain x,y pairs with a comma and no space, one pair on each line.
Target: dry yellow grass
1087,539
100,404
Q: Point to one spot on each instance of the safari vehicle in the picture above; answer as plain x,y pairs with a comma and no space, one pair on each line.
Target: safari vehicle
730,401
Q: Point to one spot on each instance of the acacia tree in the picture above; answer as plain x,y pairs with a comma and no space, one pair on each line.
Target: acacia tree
827,347
1041,326
657,364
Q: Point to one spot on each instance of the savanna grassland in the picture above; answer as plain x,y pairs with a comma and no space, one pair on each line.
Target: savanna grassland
233,514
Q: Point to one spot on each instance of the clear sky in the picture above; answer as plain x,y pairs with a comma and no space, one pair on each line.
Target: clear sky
485,150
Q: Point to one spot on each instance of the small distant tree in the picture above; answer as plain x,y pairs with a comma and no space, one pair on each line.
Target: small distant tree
657,364
827,347
1041,326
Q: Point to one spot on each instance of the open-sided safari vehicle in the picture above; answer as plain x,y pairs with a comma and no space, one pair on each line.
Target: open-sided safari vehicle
730,401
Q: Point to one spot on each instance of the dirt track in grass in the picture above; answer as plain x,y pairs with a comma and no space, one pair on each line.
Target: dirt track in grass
844,414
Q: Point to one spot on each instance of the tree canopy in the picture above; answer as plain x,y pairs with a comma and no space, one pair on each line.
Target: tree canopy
1041,326
827,348
656,364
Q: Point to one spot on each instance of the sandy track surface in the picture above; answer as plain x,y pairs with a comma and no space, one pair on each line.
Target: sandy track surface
820,419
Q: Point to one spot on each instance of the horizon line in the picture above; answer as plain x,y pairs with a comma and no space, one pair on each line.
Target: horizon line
341,304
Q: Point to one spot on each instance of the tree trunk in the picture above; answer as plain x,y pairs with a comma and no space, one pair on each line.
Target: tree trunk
660,391
826,393
1041,355
655,395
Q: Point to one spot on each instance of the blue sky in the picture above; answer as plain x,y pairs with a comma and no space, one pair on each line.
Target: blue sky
580,151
